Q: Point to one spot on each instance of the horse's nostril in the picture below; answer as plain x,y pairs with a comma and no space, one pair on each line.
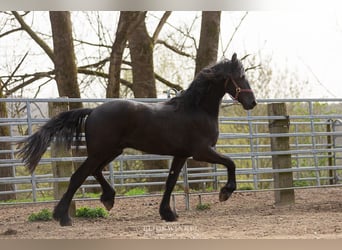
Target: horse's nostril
254,103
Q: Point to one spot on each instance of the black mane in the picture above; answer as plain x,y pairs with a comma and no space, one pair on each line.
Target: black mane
190,99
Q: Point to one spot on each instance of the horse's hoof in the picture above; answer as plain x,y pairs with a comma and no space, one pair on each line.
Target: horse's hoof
108,204
108,201
225,193
169,216
64,220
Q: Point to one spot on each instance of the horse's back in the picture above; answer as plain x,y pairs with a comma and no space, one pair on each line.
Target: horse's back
157,128
116,123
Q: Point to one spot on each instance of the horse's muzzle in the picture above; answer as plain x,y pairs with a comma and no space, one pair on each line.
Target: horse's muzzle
249,106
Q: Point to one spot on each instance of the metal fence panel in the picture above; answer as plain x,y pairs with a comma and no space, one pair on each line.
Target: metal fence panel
316,150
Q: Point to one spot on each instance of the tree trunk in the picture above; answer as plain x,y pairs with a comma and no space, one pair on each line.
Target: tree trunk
209,40
5,171
206,55
141,49
64,56
127,22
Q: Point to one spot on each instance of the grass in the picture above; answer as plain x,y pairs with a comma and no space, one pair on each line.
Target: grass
82,212
43,215
91,213
297,183
245,187
88,195
203,206
136,191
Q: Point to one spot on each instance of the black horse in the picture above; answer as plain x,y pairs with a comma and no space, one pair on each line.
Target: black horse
184,126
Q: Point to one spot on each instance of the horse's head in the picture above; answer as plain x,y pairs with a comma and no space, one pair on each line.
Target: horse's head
237,85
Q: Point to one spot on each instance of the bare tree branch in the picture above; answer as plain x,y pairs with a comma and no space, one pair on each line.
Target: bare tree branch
95,65
81,70
234,33
34,77
92,72
93,44
126,83
16,68
39,87
10,31
161,23
253,67
174,49
33,35
167,83
186,33
161,79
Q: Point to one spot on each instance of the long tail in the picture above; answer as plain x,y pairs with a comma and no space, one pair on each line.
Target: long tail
63,127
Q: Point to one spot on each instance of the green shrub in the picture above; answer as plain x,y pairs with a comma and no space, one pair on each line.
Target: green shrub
43,215
87,212
136,191
203,206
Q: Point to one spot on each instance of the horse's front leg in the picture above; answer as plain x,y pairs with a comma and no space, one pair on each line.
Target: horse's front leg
211,156
165,210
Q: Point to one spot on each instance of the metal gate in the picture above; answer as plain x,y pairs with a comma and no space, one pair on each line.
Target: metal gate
337,144
244,136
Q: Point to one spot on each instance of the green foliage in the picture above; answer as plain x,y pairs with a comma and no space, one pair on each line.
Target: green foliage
22,198
246,187
301,183
43,215
86,212
209,189
136,191
203,206
88,195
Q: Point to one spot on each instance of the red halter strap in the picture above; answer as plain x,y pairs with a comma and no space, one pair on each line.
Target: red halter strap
238,90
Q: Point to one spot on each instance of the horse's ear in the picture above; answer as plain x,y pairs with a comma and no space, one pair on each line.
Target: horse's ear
234,58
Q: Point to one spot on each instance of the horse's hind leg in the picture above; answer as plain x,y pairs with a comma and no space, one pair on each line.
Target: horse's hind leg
108,192
61,211
165,210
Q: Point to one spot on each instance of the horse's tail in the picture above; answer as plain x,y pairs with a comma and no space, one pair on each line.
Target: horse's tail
62,127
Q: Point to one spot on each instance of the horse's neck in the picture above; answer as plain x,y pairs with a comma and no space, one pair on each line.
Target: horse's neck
211,103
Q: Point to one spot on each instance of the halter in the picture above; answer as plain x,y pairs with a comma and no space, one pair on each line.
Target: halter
238,90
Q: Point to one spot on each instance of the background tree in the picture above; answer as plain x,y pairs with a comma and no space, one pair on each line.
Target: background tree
209,40
6,146
64,56
93,59
141,51
127,22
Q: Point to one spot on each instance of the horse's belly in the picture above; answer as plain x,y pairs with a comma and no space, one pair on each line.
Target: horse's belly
154,142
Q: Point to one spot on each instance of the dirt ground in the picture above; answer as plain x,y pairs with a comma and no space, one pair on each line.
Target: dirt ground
316,214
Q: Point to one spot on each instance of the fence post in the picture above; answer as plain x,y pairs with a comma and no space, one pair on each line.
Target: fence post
61,169
281,161
332,173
